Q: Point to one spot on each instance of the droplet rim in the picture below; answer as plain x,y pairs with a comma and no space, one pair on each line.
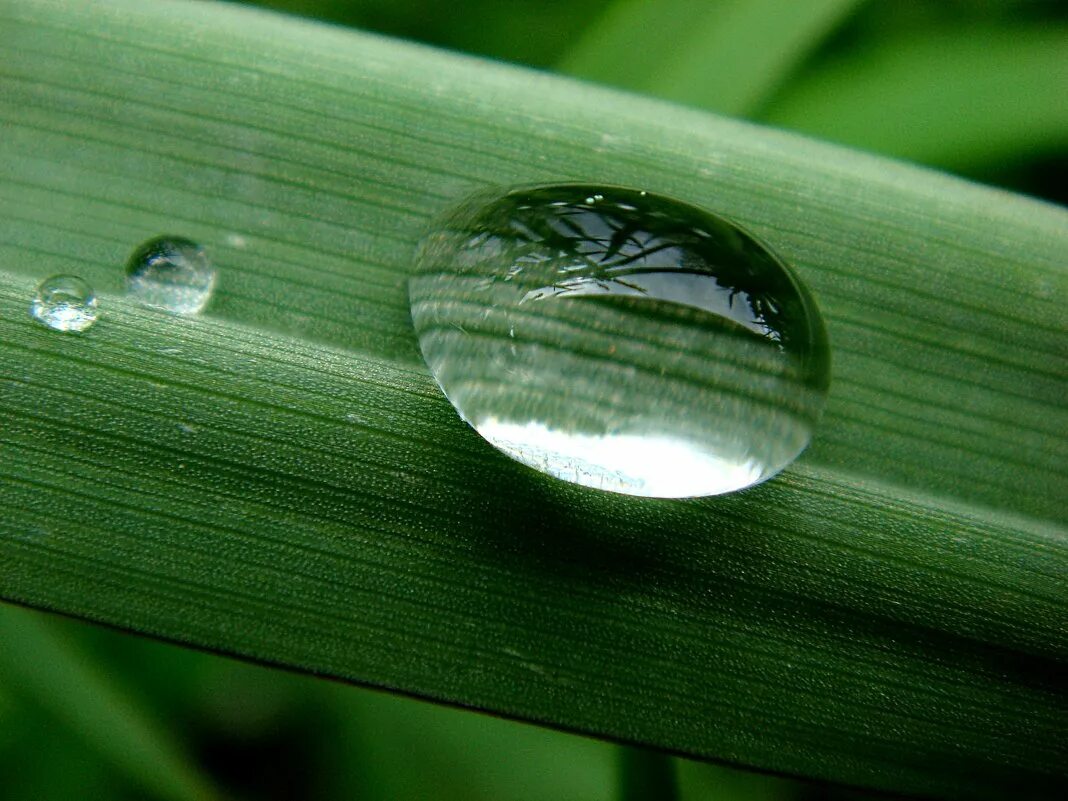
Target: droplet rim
40,309
815,357
814,317
164,244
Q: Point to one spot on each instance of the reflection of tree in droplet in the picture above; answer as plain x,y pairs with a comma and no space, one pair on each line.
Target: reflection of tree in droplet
608,241
64,303
171,273
620,339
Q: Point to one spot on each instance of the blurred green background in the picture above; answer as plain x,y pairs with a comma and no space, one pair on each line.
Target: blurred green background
972,86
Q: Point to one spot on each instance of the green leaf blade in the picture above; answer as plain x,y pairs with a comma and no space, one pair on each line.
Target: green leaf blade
58,678
281,479
954,99
727,55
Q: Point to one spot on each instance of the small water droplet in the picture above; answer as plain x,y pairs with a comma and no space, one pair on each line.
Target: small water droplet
632,342
64,303
171,273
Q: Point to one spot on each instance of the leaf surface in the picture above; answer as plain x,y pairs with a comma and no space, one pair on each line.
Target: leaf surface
282,480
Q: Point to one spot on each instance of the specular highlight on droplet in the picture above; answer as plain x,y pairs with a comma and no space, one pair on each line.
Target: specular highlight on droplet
171,273
620,339
64,303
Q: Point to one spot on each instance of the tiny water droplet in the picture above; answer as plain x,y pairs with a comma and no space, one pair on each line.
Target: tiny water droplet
619,339
171,273
64,303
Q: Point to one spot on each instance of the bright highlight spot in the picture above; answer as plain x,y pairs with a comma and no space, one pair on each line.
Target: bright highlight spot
659,467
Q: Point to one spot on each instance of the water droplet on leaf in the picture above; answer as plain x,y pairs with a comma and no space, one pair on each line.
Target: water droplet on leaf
620,339
171,273
64,303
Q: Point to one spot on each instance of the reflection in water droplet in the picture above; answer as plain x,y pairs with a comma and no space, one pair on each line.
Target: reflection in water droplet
620,339
171,273
65,303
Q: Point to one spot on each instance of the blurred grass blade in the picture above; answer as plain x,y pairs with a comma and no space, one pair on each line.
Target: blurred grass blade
725,55
33,744
281,479
646,776
403,750
700,781
960,98
37,664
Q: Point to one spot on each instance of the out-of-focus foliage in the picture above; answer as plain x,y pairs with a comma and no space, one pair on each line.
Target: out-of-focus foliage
903,76
973,86
255,733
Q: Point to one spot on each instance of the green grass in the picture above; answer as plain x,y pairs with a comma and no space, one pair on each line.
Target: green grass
68,687
989,99
281,479
729,56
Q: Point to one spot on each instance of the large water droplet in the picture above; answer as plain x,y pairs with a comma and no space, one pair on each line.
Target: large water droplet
171,273
620,339
65,303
